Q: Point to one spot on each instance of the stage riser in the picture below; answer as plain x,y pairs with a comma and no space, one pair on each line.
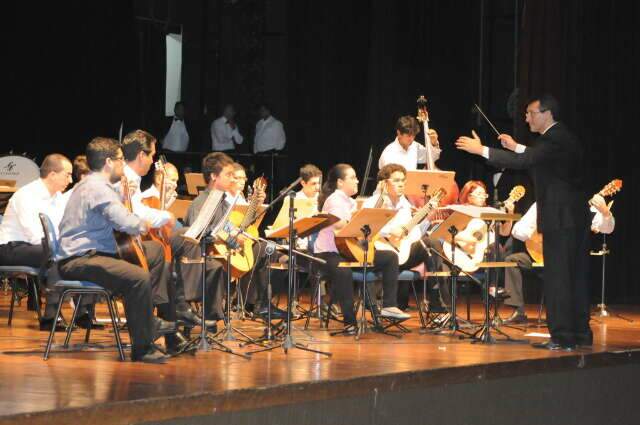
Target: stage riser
597,396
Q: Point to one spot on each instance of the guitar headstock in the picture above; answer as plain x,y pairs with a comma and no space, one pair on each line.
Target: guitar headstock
423,114
516,193
437,196
611,188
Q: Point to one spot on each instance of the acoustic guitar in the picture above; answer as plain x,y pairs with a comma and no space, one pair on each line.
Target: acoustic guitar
402,246
534,244
242,259
468,259
129,247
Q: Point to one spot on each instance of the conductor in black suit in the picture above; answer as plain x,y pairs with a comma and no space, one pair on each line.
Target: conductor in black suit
556,165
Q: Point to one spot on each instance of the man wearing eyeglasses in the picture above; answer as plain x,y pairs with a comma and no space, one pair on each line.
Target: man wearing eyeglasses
555,162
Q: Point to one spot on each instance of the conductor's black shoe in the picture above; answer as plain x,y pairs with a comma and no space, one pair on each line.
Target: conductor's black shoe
553,346
153,356
162,327
177,344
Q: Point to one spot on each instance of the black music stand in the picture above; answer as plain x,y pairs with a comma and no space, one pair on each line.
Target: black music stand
289,341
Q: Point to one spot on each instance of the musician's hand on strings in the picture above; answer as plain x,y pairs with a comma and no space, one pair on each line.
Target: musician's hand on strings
472,144
172,221
398,232
600,204
433,138
508,142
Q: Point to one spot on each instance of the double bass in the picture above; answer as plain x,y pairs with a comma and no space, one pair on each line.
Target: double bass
451,196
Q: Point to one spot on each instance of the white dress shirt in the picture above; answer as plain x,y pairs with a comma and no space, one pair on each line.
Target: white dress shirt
526,226
156,218
21,222
269,135
153,192
394,153
177,139
223,136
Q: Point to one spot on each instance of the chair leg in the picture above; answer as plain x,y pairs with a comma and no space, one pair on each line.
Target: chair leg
116,332
73,321
12,282
36,297
423,323
540,307
53,327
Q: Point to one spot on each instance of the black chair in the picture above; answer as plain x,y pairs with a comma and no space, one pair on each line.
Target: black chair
70,288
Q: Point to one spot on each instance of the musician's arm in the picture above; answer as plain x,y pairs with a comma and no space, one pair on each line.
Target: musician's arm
121,219
156,218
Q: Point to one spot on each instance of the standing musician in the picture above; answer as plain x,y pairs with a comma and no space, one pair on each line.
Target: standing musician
88,247
602,222
256,300
21,232
556,165
404,150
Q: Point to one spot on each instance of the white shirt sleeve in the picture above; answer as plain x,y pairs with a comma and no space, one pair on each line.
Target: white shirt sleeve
422,153
235,135
520,148
155,217
526,227
27,215
485,152
601,224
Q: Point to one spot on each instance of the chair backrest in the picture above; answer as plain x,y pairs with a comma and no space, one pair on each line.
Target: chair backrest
50,239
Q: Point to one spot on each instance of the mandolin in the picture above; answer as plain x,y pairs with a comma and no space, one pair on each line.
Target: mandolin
162,235
129,247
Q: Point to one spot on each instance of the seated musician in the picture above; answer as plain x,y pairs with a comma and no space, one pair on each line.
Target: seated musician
335,199
88,247
602,222
21,231
254,284
170,182
139,148
394,175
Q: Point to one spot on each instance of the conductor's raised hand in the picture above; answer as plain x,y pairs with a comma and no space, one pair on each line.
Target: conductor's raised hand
507,142
470,144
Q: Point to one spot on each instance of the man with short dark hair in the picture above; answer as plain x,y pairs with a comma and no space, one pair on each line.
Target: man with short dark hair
88,247
225,134
556,163
404,150
177,138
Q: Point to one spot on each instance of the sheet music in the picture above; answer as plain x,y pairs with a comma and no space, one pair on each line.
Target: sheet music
210,206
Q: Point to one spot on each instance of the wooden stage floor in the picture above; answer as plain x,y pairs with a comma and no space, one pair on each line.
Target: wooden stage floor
104,390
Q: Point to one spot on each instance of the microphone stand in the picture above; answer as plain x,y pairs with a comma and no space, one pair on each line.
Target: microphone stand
289,342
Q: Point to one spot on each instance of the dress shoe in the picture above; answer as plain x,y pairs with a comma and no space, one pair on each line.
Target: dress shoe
177,344
162,327
190,319
350,330
394,313
499,293
517,317
553,346
151,356
84,321
276,313
45,324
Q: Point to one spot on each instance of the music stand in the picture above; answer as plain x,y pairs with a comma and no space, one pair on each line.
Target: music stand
199,233
364,224
195,183
424,183
302,208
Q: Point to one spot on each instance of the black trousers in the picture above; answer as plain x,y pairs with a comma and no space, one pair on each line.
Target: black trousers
254,283
186,257
386,262
513,278
341,280
566,286
419,255
120,278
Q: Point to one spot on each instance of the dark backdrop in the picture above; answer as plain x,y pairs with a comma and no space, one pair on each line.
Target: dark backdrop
338,74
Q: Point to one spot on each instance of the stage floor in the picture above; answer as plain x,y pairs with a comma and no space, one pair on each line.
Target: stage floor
102,389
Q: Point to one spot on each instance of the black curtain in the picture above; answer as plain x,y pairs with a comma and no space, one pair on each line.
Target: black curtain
355,67
72,74
585,54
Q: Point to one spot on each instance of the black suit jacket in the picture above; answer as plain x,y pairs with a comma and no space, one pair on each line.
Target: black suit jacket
556,163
